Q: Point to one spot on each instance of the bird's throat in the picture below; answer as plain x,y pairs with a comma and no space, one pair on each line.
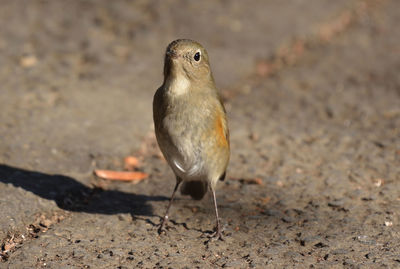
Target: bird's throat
178,85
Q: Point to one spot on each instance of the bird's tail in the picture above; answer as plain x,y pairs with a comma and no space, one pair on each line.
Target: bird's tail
196,189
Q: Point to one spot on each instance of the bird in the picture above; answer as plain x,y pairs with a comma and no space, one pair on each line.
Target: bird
191,125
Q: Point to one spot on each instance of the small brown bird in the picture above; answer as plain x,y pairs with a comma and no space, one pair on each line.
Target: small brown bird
190,123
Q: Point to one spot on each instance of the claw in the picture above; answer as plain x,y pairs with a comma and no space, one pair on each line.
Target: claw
217,235
162,228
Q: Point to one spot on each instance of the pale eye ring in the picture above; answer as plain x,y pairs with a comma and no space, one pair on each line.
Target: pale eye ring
197,56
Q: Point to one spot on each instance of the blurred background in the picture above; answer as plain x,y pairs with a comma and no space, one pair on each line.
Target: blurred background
78,76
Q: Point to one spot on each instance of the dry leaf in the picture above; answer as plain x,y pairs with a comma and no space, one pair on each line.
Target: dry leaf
8,246
28,61
379,182
388,223
130,163
120,175
256,180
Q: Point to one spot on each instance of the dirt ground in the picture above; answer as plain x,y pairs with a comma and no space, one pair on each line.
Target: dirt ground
312,91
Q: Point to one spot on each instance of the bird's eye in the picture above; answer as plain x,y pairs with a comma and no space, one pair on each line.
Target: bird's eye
196,57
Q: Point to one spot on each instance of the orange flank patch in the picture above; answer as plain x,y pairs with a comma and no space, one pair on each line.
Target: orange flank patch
221,131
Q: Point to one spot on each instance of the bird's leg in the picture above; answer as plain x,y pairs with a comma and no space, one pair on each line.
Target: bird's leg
165,219
218,231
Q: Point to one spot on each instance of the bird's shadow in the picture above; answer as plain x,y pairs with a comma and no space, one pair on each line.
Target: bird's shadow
69,194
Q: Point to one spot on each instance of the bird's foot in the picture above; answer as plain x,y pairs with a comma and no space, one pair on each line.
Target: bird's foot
163,226
216,235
